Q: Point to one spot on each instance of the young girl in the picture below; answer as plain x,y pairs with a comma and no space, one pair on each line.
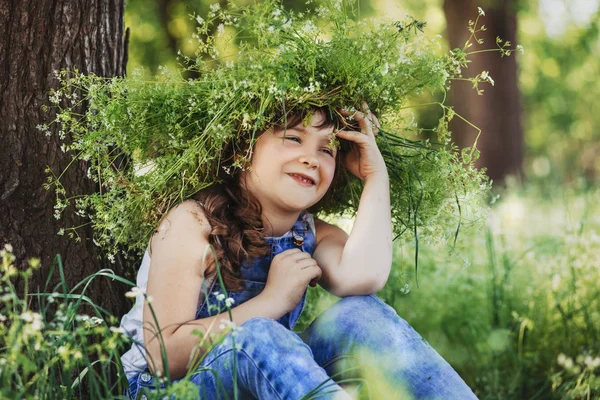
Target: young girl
270,248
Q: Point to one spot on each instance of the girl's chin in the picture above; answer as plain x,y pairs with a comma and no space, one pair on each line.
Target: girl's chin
298,204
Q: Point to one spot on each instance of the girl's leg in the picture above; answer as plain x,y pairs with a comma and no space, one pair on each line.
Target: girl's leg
404,359
272,363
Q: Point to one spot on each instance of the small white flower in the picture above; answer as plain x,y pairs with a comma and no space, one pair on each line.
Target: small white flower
481,12
220,29
34,318
520,48
2,318
62,350
82,317
134,292
117,329
8,247
27,316
229,302
220,296
227,324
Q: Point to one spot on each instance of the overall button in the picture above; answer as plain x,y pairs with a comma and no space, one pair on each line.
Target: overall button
146,377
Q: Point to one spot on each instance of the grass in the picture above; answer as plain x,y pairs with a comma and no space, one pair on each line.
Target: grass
515,308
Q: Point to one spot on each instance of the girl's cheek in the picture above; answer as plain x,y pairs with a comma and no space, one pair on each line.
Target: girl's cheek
330,170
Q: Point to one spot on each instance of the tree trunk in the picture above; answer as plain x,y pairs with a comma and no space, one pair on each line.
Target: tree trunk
498,112
36,38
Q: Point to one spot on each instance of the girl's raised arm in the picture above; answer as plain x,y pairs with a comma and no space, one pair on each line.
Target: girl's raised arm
360,263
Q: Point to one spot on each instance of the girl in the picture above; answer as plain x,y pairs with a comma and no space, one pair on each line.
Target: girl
270,248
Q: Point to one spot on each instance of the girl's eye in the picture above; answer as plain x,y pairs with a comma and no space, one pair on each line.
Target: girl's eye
292,138
328,151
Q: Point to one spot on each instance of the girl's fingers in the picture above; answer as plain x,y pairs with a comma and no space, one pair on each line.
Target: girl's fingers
313,272
353,136
375,123
302,256
362,117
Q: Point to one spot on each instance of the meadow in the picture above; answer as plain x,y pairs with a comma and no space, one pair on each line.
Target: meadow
514,307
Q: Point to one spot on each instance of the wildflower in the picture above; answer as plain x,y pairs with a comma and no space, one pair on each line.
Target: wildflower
82,317
2,318
219,296
117,329
480,11
62,350
227,324
229,302
592,363
134,292
485,76
37,324
8,247
405,289
521,49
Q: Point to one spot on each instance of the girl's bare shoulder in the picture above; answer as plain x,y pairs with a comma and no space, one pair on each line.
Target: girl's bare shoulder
185,224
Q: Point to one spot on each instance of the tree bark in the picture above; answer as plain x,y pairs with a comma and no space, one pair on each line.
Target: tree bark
36,38
498,112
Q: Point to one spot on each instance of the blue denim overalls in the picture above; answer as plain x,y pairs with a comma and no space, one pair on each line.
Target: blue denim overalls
301,236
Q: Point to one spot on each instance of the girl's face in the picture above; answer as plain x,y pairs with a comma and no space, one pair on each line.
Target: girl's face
292,169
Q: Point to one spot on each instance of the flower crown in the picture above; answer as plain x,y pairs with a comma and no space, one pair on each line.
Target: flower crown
151,143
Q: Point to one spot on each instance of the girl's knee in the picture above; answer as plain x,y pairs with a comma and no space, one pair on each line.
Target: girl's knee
361,307
359,318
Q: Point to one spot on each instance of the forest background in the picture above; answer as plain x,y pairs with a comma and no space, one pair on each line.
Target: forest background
516,306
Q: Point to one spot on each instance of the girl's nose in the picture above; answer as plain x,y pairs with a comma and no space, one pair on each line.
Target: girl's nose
309,160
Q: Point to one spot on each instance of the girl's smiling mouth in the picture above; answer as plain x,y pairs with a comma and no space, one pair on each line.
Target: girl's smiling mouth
303,180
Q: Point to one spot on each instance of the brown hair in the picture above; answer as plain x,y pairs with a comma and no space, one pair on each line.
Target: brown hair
237,231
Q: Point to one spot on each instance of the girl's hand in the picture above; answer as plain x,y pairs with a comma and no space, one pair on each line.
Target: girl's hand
365,159
289,275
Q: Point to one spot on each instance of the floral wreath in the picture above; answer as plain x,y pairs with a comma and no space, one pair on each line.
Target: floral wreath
151,143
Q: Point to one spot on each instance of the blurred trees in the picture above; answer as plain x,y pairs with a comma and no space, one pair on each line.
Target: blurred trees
498,112
559,81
